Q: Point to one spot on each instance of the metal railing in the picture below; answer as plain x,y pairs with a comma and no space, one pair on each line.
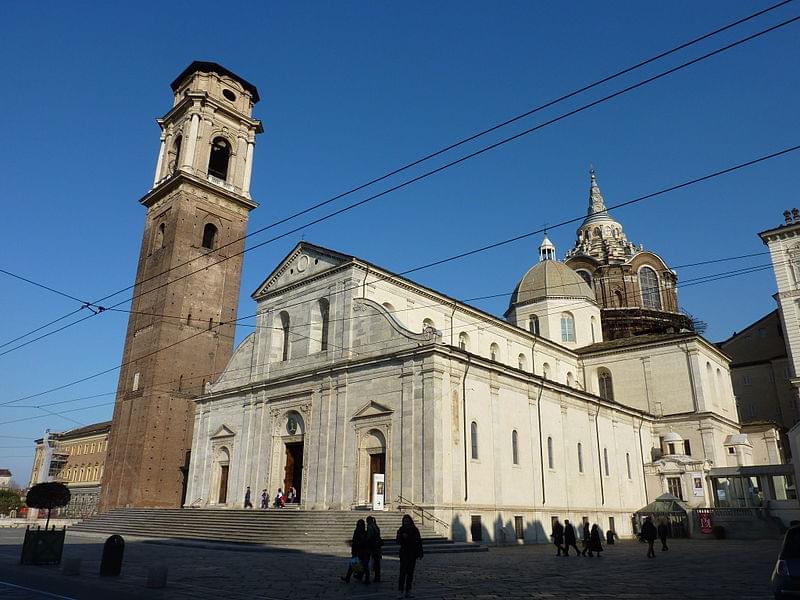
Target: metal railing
422,514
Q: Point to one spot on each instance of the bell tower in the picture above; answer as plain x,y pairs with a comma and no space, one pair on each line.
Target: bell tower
181,328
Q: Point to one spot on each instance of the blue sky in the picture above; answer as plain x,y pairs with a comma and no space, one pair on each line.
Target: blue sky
353,90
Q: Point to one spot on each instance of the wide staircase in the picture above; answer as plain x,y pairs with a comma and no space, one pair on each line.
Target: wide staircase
277,528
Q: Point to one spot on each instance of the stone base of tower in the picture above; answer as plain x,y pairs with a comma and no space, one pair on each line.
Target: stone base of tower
619,323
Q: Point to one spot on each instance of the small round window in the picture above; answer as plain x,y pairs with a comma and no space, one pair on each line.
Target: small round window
229,95
291,425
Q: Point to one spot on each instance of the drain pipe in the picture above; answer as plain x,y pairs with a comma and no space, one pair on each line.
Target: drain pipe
464,419
641,454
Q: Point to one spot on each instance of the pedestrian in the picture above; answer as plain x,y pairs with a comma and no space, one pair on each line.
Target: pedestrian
586,547
569,538
375,547
290,495
610,535
359,552
663,531
649,535
410,542
247,503
558,536
595,541
280,500
294,495
264,499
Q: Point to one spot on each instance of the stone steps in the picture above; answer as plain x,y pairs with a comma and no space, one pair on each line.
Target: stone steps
280,528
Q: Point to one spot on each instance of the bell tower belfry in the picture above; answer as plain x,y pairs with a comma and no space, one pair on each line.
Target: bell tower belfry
181,328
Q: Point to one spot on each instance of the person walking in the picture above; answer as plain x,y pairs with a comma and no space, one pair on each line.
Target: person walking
558,536
359,550
569,538
649,535
247,503
663,532
410,542
264,499
595,541
586,539
280,499
375,544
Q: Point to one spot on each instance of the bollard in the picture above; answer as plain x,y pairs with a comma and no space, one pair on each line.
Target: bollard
111,563
72,566
157,577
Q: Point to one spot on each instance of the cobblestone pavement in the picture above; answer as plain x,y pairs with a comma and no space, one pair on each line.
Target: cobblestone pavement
690,569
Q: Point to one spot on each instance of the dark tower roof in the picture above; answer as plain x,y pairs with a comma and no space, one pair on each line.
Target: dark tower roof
212,67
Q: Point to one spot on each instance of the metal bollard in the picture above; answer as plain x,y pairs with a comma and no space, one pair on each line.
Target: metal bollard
72,566
111,563
157,577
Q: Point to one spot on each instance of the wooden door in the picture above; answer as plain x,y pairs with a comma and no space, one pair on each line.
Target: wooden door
223,484
293,472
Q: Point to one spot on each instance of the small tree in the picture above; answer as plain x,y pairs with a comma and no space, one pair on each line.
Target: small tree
9,501
48,495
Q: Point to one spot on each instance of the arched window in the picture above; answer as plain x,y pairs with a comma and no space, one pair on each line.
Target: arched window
550,462
522,362
712,388
175,155
587,277
209,236
648,282
580,457
428,324
219,158
546,371
567,327
160,236
473,429
463,341
285,341
324,311
605,461
494,352
533,324
570,379
618,303
514,448
628,464
605,384
593,323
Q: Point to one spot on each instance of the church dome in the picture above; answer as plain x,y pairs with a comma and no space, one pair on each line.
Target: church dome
550,279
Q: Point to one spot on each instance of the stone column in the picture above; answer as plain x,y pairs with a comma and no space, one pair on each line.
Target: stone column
191,144
160,160
248,167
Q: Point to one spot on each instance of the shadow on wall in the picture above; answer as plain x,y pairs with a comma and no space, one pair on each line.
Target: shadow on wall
458,531
504,533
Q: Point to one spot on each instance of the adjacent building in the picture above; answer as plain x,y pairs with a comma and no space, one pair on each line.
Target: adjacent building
5,479
76,458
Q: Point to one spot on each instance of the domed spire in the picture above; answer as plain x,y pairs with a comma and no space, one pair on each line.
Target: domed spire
596,202
547,251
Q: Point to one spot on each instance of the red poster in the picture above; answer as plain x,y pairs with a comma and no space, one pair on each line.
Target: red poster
705,522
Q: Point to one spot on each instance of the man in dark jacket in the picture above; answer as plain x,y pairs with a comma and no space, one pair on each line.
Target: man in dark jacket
410,542
649,535
375,543
586,547
663,531
558,536
569,538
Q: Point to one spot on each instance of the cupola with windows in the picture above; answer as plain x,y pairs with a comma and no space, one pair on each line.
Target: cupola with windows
634,287
553,301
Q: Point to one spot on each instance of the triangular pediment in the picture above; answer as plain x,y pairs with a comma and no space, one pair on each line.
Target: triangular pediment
223,432
305,261
372,409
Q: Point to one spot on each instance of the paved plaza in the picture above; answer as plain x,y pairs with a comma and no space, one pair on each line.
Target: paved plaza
691,569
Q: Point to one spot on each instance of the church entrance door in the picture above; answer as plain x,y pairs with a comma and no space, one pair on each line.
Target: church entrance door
223,484
294,468
377,464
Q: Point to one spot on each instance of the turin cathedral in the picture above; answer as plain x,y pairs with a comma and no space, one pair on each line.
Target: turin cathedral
591,397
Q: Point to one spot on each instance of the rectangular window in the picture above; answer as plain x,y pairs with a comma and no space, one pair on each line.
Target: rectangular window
746,380
553,522
567,329
135,382
611,525
518,527
674,487
731,450
687,448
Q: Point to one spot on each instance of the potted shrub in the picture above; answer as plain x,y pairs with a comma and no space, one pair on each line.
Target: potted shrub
45,547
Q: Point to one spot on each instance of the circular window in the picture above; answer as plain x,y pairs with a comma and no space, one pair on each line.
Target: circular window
291,425
229,95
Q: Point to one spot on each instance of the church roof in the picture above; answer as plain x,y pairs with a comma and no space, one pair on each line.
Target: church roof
550,279
211,67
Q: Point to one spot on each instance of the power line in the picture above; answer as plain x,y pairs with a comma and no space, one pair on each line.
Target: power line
462,159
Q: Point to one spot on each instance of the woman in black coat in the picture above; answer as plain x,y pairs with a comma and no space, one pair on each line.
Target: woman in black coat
410,542
359,548
595,541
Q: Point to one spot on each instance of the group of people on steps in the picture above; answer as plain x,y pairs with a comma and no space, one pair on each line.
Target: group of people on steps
366,551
